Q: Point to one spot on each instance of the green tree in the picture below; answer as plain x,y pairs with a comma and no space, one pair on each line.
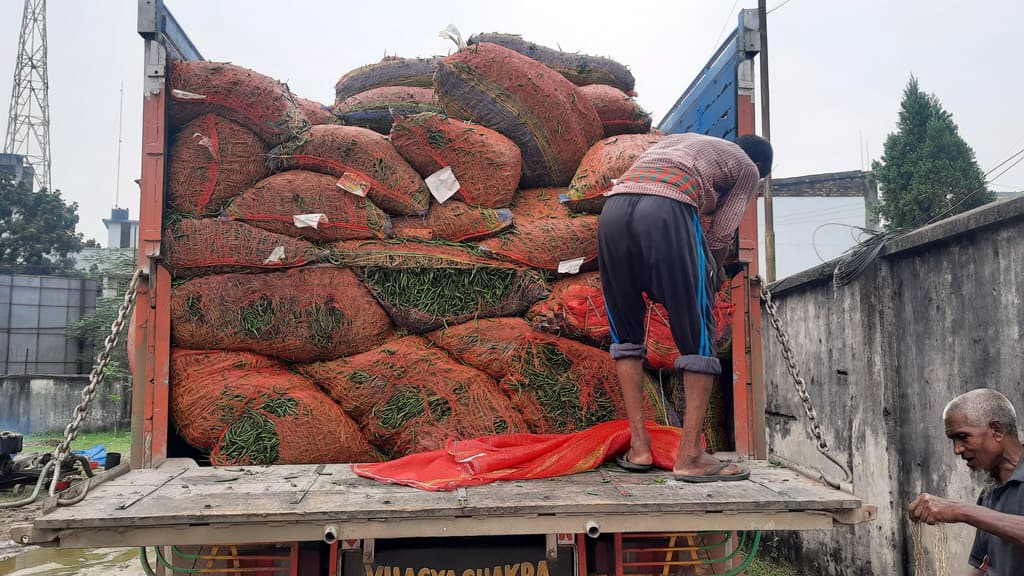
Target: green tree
927,170
37,230
112,269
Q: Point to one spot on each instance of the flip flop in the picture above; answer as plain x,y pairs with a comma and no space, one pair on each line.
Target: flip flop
625,464
712,475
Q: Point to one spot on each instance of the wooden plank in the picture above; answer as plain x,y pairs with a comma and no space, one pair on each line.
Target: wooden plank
181,494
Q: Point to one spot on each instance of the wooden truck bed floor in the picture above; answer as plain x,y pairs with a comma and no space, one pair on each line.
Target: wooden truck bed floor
180,503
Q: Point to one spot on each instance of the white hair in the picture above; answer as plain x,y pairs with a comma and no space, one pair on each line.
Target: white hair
983,406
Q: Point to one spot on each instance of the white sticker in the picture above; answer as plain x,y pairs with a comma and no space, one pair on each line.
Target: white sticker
351,183
276,256
443,184
570,266
309,220
183,95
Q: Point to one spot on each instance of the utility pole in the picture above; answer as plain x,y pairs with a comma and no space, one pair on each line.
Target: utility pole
28,122
766,132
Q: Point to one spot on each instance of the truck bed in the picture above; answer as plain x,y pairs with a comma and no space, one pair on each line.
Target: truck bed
180,503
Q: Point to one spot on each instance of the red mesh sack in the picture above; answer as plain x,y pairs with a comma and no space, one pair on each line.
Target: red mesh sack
212,160
486,164
255,101
250,409
576,309
540,111
605,161
375,109
426,286
558,385
391,71
315,112
546,234
455,222
580,69
304,314
365,163
410,397
275,202
619,113
201,246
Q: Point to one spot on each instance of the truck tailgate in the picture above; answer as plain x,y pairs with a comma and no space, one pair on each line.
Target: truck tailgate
180,503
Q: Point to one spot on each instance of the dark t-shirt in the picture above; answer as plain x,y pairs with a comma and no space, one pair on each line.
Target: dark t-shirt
1001,558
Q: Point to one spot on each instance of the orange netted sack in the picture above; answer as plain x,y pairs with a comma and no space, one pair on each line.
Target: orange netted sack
619,113
255,101
605,161
202,246
558,385
364,161
212,160
546,234
287,203
304,314
391,71
425,286
536,108
486,164
315,112
455,222
250,409
376,108
410,397
580,69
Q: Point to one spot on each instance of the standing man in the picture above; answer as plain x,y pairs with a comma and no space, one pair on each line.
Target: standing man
983,427
652,241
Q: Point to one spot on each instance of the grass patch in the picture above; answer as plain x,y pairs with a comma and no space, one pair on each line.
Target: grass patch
120,442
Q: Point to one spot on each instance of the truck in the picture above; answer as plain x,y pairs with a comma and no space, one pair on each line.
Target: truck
324,520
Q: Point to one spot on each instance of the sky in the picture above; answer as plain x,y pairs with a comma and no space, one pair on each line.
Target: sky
837,73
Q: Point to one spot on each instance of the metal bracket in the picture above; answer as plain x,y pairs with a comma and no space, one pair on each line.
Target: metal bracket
551,545
866,513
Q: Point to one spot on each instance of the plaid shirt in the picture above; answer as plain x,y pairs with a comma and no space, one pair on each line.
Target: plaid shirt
722,180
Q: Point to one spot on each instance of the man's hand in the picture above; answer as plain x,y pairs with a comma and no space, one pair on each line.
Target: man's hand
719,255
934,510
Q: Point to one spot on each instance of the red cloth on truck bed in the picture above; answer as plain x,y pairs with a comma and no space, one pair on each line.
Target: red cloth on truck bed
519,457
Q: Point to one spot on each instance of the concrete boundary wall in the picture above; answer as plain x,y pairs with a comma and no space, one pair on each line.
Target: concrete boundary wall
36,404
938,314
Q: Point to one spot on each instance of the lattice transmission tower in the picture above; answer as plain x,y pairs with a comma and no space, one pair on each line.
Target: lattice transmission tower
28,123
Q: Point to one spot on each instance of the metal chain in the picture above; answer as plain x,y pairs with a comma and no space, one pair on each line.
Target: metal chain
63,451
798,381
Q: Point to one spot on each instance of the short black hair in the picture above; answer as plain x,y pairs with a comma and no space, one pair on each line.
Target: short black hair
759,151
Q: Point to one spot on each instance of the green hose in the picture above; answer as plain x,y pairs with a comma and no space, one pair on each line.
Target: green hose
750,555
144,560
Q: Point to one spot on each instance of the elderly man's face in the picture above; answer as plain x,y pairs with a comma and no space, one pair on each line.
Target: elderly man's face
980,446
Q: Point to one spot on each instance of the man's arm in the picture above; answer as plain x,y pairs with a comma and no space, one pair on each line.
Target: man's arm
729,213
934,510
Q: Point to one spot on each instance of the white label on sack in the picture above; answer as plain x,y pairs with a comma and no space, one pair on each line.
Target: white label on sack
351,183
276,256
443,184
570,266
309,220
183,95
